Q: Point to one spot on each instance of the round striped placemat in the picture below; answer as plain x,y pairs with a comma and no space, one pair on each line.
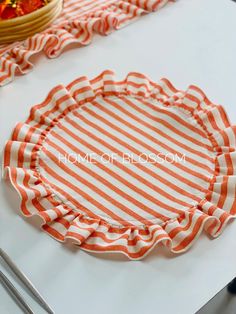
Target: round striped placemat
122,166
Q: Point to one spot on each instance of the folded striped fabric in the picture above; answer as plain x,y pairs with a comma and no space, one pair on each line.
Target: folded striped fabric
77,24
123,166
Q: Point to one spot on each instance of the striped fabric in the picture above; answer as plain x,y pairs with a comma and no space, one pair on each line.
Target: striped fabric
124,166
77,24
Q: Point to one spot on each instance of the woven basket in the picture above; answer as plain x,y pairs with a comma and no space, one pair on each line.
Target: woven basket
22,27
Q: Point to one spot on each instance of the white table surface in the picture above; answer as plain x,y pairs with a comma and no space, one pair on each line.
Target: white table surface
189,42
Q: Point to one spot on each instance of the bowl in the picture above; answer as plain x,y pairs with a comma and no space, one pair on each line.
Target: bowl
22,27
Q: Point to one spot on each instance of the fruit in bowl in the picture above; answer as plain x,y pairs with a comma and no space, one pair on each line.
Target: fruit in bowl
21,19
15,8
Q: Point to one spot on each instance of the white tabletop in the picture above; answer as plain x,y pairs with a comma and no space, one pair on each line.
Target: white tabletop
189,42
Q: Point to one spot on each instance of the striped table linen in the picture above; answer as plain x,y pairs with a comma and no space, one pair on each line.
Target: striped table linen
77,24
124,166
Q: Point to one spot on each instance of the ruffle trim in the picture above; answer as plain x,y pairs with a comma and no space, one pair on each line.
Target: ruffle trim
15,58
66,221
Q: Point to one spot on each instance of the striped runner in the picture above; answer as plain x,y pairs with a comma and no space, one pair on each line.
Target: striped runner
124,166
77,24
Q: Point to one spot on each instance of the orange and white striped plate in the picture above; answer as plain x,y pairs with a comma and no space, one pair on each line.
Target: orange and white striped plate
122,166
77,24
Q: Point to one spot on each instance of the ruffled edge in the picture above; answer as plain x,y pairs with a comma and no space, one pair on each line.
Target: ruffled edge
15,58
65,221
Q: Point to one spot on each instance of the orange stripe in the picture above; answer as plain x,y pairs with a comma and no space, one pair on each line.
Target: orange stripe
7,154
170,86
233,208
53,232
223,116
225,138
224,192
212,120
188,239
2,78
21,152
16,131
229,163
193,99
173,233
21,191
